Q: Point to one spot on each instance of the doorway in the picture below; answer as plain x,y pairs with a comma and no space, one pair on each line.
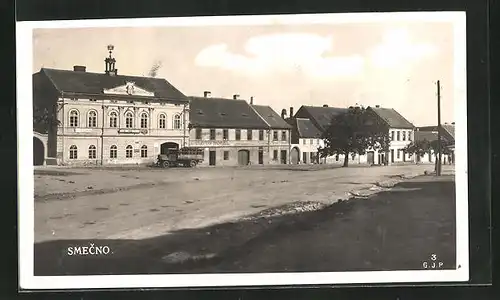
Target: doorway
283,157
243,157
304,157
392,155
38,152
168,145
261,156
371,157
211,158
295,155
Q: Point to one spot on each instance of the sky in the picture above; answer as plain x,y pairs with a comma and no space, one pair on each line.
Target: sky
391,64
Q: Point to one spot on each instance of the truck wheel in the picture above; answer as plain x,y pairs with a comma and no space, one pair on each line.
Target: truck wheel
193,164
166,164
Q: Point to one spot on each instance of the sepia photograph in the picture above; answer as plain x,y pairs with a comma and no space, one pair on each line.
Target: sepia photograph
243,151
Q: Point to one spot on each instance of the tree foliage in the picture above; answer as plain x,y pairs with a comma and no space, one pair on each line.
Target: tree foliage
43,118
355,132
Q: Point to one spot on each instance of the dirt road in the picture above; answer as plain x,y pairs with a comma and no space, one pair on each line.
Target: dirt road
138,204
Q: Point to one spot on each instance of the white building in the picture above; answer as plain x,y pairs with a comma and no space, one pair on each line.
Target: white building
106,118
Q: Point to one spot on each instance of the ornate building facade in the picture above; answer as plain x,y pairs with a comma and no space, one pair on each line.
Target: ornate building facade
106,118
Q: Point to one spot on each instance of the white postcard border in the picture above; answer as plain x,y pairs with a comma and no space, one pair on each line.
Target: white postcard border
27,280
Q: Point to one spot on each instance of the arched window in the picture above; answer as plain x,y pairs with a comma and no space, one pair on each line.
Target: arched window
113,119
144,151
129,120
177,122
92,119
144,120
73,152
73,118
113,152
128,151
92,152
162,121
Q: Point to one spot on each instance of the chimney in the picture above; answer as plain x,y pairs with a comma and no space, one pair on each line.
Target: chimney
207,94
291,111
236,96
283,113
377,106
251,100
79,68
325,105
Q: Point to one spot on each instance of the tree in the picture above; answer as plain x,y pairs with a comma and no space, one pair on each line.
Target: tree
43,118
354,132
418,148
421,147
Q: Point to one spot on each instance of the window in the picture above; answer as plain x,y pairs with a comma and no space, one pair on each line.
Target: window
212,134
310,141
303,141
113,152
144,120
225,134
275,135
283,135
226,155
73,152
261,135
275,155
92,119
177,122
92,152
128,151
162,121
73,118
404,135
409,135
392,135
398,153
336,157
238,134
113,119
398,135
92,100
249,134
198,134
129,120
144,151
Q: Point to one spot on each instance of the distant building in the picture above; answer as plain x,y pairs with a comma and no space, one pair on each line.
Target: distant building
430,133
106,118
305,140
320,117
401,134
234,132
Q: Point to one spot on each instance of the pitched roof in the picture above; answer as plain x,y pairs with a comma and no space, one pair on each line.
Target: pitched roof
271,117
223,113
320,115
306,128
93,83
448,130
426,135
393,118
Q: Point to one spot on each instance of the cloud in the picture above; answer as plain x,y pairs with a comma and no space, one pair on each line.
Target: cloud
300,53
397,49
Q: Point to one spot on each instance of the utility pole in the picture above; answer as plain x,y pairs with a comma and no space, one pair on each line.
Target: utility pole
438,167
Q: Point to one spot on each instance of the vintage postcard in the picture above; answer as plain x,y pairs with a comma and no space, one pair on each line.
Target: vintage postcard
243,151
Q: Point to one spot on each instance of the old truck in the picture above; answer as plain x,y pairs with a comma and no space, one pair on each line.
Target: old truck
184,157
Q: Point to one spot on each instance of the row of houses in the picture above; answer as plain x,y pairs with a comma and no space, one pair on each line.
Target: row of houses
107,118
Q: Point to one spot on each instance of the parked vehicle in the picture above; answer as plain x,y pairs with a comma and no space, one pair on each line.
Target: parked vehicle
184,157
